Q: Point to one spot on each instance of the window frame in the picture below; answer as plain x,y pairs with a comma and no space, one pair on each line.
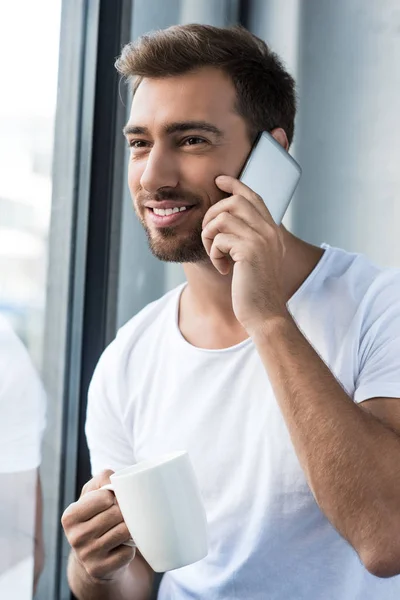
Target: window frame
88,163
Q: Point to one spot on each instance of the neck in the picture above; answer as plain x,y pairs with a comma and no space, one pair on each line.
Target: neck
208,292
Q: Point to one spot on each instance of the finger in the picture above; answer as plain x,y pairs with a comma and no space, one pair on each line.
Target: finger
99,525
88,506
222,247
240,207
96,502
114,537
234,186
224,223
106,520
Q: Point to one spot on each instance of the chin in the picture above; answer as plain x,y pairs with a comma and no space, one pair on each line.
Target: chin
177,250
169,245
179,254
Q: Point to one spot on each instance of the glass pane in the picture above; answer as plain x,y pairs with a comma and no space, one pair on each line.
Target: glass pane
29,39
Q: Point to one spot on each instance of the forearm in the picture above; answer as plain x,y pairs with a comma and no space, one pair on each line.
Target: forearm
134,583
350,458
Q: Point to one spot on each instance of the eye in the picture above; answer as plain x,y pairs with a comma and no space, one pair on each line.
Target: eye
193,141
135,144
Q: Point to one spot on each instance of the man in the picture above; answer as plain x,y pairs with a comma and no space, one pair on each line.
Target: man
277,366
22,421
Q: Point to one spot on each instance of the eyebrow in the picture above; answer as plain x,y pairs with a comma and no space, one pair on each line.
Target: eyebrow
178,127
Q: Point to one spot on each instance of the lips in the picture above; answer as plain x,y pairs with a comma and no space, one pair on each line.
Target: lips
170,219
165,204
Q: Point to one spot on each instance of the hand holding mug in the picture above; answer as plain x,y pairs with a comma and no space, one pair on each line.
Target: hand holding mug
95,528
161,504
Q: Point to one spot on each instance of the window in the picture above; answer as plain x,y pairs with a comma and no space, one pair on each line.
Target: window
28,66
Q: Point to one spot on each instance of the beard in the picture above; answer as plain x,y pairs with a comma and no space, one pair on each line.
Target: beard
172,244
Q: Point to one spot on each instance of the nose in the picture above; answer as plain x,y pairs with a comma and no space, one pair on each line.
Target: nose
160,171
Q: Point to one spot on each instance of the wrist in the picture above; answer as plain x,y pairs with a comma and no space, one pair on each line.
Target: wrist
77,571
268,329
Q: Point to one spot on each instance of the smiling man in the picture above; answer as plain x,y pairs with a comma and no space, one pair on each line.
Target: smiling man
277,365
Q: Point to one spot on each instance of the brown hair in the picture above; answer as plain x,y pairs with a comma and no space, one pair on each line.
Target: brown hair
266,96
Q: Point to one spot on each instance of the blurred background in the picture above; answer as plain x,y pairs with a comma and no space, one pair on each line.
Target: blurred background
74,263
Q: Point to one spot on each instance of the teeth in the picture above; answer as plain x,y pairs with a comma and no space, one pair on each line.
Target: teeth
164,212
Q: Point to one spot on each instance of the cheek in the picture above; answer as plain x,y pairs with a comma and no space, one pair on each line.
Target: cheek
201,176
134,176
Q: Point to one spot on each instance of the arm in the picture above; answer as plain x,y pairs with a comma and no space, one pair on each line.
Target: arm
100,566
96,571
356,486
350,457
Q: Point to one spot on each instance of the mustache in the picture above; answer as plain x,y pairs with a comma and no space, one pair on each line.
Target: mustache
169,194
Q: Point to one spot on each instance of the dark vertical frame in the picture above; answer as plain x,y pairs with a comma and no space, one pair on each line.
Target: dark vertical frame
59,446
103,214
243,12
95,226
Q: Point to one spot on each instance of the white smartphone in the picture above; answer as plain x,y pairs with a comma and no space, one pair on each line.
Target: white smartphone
272,173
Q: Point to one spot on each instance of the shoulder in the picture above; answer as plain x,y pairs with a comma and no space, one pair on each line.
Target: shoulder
380,307
384,289
122,360
146,322
148,315
372,292
358,278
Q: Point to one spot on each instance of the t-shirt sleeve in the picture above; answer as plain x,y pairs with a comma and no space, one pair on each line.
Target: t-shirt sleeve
22,406
106,429
379,349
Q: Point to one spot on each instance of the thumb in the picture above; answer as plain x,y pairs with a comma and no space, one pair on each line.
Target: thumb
97,481
226,183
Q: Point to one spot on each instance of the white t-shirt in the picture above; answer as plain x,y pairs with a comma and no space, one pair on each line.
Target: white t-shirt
153,392
22,405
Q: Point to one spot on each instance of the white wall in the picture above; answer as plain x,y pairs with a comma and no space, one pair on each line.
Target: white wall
346,66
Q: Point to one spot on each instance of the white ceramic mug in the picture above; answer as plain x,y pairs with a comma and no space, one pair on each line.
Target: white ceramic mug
161,505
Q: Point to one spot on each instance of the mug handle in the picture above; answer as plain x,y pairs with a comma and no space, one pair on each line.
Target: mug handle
110,487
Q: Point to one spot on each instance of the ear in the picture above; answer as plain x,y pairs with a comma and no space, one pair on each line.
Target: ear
280,135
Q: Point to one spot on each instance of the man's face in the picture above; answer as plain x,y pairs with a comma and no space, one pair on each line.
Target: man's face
183,132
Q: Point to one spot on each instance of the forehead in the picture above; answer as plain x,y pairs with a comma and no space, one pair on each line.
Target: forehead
206,94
